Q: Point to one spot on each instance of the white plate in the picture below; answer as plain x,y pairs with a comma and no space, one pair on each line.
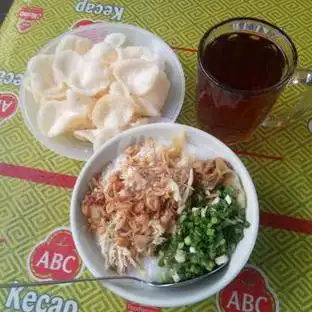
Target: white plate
169,297
67,145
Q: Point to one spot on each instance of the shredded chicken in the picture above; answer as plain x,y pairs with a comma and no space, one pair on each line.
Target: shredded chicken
134,207
212,172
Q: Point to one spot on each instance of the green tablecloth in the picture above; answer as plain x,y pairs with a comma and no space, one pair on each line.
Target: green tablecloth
35,185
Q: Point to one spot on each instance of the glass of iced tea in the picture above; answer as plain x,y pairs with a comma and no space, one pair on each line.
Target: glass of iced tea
243,65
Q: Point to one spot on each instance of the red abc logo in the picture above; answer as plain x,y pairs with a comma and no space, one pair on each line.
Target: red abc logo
8,105
55,258
249,292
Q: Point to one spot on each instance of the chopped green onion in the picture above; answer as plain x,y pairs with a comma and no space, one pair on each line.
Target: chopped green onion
209,230
187,241
180,256
192,249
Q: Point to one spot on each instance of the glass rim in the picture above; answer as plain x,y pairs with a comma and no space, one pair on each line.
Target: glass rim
277,86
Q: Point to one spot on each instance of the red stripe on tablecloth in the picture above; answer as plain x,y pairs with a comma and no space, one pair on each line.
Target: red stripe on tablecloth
37,175
184,49
252,154
286,222
68,181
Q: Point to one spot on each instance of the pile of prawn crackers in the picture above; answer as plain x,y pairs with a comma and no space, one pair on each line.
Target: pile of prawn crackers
95,91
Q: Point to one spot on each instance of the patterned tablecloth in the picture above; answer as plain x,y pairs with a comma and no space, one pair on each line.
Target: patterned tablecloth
36,184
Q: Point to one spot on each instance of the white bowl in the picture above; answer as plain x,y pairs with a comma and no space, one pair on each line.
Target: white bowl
67,145
208,147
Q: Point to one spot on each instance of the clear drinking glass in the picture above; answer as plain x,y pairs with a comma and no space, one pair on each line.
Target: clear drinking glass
230,114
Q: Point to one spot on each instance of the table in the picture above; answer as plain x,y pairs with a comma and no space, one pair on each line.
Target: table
36,184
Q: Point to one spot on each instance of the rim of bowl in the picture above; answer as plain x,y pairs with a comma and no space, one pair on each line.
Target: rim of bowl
55,40
252,237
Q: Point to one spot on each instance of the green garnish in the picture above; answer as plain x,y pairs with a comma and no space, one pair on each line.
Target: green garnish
207,232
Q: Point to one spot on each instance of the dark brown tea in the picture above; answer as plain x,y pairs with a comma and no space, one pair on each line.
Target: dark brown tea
230,67
243,61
